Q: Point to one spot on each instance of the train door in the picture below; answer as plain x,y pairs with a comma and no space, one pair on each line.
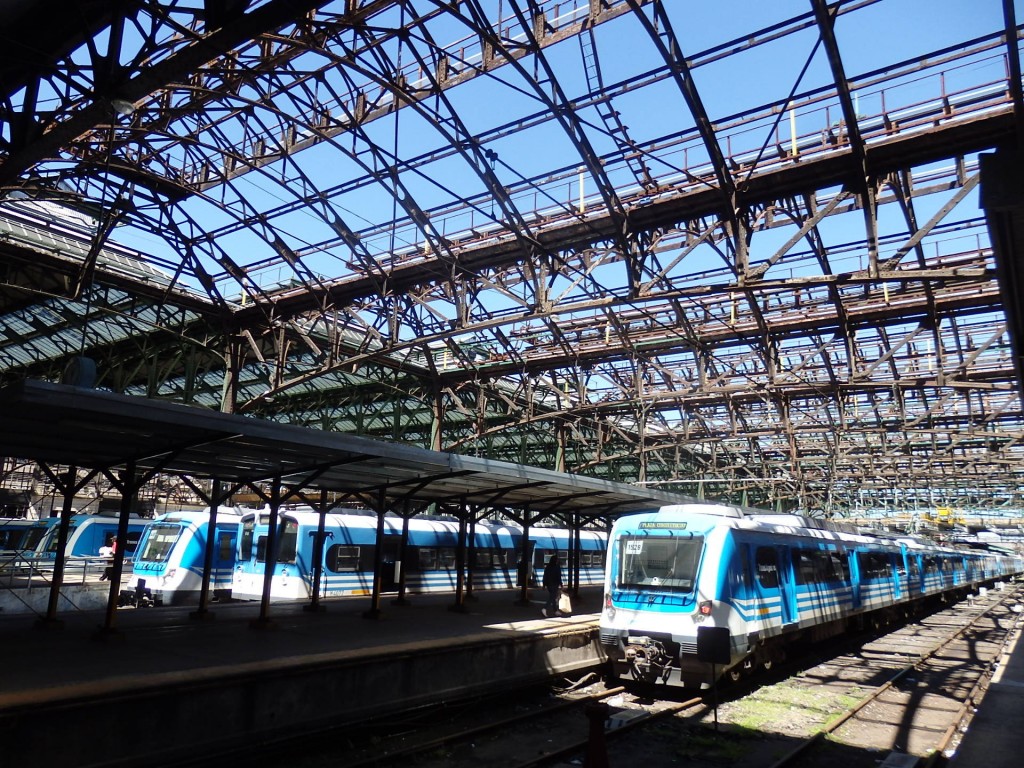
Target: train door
856,580
787,585
224,557
900,576
773,585
524,568
391,562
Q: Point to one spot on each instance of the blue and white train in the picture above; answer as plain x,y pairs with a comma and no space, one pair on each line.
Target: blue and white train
429,565
19,535
86,534
770,580
169,561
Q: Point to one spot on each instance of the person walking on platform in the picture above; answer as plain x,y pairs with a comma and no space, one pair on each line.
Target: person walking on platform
553,584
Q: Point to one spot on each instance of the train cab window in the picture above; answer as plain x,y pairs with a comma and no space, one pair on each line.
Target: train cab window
245,540
53,538
342,557
288,547
767,561
32,538
160,542
668,563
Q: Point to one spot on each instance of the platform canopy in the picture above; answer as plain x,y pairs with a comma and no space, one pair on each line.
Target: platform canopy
56,424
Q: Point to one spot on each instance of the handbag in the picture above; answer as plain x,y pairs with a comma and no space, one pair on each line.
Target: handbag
565,604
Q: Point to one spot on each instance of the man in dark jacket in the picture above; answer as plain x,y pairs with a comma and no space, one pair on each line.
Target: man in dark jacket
553,583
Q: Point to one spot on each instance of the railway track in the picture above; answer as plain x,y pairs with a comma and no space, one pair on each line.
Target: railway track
901,696
937,670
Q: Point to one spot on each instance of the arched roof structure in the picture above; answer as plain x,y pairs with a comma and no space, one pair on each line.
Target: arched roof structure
735,251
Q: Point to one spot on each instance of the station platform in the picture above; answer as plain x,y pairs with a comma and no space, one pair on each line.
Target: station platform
164,684
992,739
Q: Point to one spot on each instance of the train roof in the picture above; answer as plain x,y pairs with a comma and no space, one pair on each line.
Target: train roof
715,515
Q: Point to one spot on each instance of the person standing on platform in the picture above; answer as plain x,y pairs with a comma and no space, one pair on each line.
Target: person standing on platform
553,584
108,551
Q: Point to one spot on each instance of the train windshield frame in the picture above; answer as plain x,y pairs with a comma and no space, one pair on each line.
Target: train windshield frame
53,538
662,562
160,541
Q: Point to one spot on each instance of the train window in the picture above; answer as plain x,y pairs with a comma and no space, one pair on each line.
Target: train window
225,544
428,559
446,558
597,560
662,562
875,565
818,567
484,558
912,567
804,567
160,542
739,570
767,567
342,557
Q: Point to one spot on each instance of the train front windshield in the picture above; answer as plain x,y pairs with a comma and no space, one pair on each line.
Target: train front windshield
53,538
160,542
662,562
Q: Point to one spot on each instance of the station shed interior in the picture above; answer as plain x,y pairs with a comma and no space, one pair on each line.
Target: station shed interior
550,260
797,292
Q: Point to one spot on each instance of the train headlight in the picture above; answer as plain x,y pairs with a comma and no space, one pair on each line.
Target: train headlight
609,609
702,612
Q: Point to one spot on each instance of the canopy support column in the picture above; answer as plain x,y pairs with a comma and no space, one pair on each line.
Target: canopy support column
315,605
374,611
273,536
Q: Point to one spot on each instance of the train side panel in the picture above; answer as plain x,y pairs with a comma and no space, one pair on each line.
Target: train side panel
428,563
770,581
87,533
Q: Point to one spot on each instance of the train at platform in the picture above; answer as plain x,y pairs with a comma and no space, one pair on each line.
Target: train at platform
19,535
86,534
170,559
427,564
696,591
